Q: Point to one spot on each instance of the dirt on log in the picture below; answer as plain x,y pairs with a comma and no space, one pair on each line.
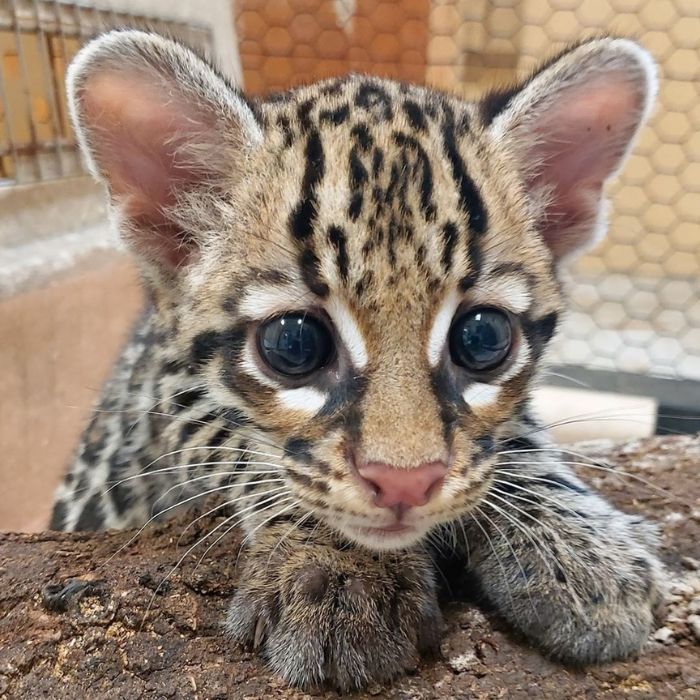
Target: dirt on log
111,616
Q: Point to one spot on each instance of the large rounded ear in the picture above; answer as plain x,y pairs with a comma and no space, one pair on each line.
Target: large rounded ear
156,123
570,126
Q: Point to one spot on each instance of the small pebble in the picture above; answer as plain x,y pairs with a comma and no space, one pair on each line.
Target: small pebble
694,606
682,589
674,517
690,563
664,635
694,624
463,662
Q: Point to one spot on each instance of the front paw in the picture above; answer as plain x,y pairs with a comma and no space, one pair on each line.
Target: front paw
347,618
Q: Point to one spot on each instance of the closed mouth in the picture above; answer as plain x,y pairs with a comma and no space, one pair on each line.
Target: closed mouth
390,529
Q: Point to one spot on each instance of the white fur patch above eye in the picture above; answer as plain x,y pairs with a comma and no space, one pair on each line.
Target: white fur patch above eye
304,398
508,291
349,331
479,395
441,326
262,301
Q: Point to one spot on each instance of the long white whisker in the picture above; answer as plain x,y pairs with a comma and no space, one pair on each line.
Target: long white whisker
267,520
498,559
195,545
227,504
232,486
178,467
512,550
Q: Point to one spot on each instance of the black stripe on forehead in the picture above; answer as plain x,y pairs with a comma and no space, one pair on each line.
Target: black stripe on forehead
338,240
336,116
426,170
311,272
450,235
415,115
375,100
303,112
476,260
469,197
303,217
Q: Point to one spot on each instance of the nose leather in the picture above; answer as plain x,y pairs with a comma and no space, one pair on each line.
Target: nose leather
403,487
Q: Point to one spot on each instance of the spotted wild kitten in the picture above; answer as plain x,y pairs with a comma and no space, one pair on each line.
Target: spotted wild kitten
351,288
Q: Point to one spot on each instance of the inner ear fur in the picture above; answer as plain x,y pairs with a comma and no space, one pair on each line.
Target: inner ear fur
156,123
570,127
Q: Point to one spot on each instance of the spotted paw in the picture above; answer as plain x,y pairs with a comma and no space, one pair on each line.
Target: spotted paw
319,615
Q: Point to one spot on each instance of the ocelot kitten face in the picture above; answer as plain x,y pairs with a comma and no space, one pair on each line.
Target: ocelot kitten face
364,272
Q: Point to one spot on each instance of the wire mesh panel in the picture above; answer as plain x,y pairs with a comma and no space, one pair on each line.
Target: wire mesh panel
38,39
636,298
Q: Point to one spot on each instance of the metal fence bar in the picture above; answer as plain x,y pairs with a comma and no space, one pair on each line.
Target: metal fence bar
31,123
40,148
49,86
8,126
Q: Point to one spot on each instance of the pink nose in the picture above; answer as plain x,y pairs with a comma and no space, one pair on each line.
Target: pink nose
403,487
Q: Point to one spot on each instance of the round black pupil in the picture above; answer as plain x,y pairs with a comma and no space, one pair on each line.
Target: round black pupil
481,339
294,345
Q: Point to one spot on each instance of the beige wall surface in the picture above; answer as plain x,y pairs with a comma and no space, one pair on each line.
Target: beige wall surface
58,343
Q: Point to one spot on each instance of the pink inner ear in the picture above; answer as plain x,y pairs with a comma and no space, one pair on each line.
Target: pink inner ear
579,142
137,134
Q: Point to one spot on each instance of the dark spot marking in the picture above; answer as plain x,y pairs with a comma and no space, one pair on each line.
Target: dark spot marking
121,498
375,100
555,481
363,283
336,235
415,115
426,171
310,270
58,516
377,162
304,214
484,443
361,134
355,206
205,346
186,399
189,428
172,367
286,127
358,175
91,517
336,116
299,449
303,111
450,235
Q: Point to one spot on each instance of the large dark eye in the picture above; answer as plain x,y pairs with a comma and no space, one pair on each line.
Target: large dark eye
295,344
480,339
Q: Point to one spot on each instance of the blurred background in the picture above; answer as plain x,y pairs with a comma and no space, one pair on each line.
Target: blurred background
627,361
